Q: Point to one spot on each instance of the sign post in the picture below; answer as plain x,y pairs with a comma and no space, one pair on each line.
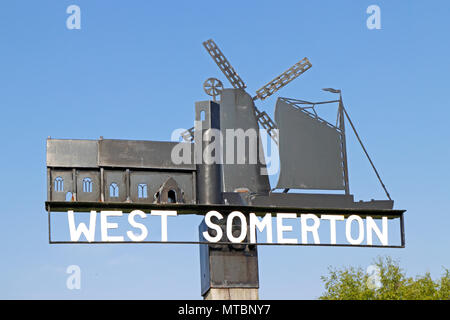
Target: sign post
219,171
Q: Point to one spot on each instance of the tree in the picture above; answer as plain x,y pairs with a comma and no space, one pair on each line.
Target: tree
388,282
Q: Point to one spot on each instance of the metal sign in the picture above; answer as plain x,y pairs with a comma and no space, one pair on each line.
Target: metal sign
219,171
231,225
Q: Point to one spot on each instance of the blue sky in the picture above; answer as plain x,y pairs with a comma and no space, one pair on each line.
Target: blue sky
134,71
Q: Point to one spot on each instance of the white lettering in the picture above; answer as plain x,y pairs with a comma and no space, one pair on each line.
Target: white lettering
333,219
133,223
243,233
164,214
105,225
266,222
281,228
75,233
313,229
348,229
372,226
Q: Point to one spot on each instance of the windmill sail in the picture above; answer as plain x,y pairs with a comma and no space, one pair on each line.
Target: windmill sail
224,65
311,155
283,79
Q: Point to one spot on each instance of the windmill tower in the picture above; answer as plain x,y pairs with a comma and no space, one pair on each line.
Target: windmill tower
239,112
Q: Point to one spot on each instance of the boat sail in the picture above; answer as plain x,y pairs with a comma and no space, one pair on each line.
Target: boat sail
311,149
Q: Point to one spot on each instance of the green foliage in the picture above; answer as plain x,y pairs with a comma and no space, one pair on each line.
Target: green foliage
389,283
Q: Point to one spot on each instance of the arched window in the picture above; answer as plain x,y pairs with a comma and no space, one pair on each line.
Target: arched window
142,190
87,184
113,190
172,196
59,184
